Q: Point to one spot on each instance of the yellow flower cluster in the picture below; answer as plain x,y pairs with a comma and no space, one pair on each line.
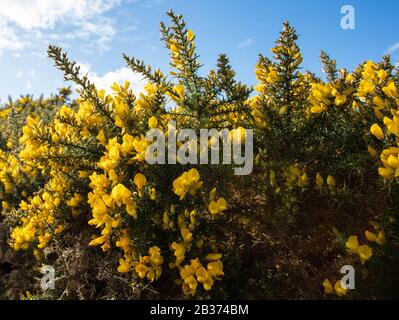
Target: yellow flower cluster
218,206
364,251
150,266
337,289
40,222
195,273
188,182
88,156
389,156
320,97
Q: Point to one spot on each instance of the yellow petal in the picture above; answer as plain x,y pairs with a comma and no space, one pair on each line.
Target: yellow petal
352,243
328,288
377,131
380,238
370,236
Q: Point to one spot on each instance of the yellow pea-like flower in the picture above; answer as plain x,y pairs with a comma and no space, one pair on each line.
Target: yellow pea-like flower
365,253
213,256
376,130
352,244
382,74
339,290
140,180
318,108
190,35
152,122
186,234
370,236
386,173
328,288
330,181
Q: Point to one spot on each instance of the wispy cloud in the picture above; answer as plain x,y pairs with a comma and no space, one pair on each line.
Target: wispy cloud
119,76
393,48
35,23
246,43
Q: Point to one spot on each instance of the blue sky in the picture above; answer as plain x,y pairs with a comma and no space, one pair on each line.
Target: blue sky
96,32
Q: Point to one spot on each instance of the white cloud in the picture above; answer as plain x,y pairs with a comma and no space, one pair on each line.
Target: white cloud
43,14
119,76
19,74
246,43
28,85
27,23
393,48
9,39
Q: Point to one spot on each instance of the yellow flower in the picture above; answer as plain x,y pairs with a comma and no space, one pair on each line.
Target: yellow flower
380,238
140,181
339,98
204,278
179,89
303,180
186,234
339,290
215,268
213,256
237,135
98,241
113,150
212,194
382,74
192,284
140,146
101,137
142,270
217,207
390,90
43,240
377,131
365,253
59,229
393,161
330,181
208,283
155,256
188,182
319,180
131,210
352,244
4,204
386,173
153,194
372,237
318,108
124,266
121,195
328,288
273,76
180,251
190,35
152,122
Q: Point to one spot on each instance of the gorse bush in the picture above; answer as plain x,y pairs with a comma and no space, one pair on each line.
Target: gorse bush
77,192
